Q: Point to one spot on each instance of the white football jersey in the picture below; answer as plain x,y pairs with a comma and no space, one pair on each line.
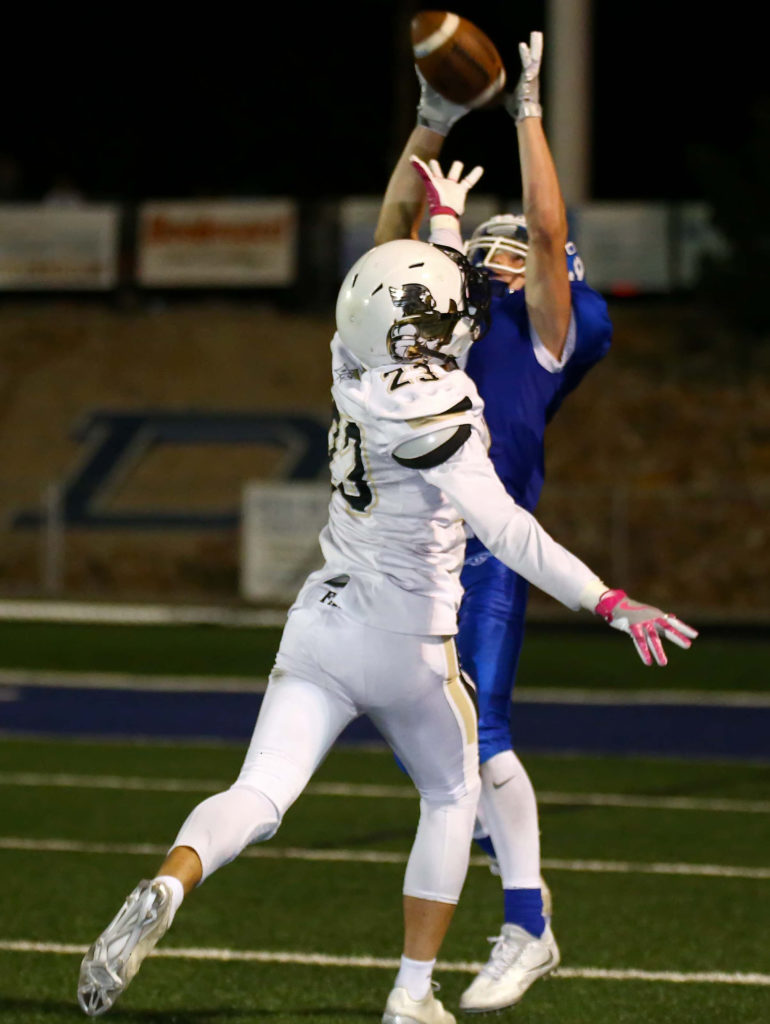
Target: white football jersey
395,539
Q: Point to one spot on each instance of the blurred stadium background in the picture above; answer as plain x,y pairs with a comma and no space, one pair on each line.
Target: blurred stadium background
146,383
171,243
169,261
166,302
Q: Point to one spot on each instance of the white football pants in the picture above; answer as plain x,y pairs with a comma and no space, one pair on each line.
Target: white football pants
508,814
328,671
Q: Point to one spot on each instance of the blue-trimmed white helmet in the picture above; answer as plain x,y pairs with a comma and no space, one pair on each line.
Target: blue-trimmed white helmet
507,232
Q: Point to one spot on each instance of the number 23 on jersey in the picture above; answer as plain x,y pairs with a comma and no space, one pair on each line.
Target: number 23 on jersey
346,462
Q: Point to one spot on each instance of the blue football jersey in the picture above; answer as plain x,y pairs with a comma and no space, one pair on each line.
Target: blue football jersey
520,396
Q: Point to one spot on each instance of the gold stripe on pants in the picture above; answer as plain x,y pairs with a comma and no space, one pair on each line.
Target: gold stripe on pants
458,694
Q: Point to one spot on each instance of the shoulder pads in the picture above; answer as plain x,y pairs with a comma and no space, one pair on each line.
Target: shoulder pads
429,450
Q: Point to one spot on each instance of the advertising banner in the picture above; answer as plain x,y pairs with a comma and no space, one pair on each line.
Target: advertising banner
280,524
217,243
49,247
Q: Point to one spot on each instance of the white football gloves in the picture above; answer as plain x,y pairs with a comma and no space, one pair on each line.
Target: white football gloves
524,101
446,195
435,112
644,624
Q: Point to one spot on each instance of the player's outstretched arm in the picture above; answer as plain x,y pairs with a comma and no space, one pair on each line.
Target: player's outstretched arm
547,283
404,201
514,536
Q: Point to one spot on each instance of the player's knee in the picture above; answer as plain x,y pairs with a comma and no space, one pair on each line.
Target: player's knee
461,790
470,798
439,859
219,828
266,818
459,804
279,776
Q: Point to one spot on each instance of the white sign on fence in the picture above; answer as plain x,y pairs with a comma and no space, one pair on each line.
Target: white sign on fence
217,243
48,247
280,524
625,246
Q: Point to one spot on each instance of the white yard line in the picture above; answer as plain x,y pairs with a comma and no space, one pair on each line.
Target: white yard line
67,780
15,677
269,852
640,868
675,977
325,960
696,698
138,614
657,803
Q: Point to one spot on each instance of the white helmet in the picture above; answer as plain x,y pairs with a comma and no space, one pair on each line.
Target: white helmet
506,232
405,300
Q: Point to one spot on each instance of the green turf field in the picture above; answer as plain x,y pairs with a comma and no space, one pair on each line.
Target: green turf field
659,867
679,896
593,656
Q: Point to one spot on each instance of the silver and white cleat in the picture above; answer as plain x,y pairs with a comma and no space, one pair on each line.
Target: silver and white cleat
115,957
402,1009
517,960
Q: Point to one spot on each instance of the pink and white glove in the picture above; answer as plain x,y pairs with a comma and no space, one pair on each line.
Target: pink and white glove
446,195
644,624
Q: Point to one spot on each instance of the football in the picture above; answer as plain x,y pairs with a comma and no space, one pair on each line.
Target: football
456,58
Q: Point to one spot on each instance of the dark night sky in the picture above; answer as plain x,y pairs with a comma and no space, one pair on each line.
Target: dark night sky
316,104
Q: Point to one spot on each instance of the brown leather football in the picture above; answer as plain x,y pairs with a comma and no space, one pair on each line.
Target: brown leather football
459,60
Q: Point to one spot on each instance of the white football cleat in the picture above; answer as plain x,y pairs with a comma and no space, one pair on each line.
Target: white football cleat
517,960
115,957
402,1009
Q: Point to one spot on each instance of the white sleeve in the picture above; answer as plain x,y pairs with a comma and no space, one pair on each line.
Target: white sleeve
547,359
512,534
445,230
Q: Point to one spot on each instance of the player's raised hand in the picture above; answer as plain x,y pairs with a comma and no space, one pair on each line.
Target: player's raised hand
446,194
524,101
644,624
434,111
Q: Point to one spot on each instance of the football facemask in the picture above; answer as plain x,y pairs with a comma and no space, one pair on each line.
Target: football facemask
503,234
425,332
508,234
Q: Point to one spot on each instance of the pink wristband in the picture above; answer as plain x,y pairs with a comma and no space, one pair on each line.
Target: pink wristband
607,603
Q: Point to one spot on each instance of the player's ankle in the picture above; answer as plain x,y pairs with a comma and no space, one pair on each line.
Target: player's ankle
415,976
524,907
